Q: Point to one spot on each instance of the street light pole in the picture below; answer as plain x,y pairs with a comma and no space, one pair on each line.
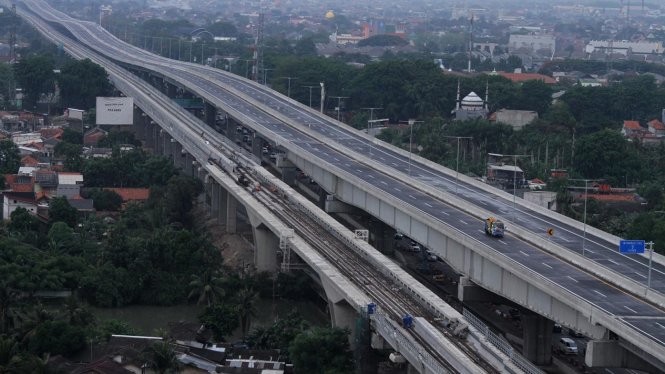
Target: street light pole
457,166
339,105
411,123
310,93
289,89
265,79
369,127
371,119
586,194
514,177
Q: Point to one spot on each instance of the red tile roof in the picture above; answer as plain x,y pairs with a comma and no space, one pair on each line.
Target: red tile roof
657,125
33,144
520,77
128,194
68,173
632,125
29,161
22,187
11,178
77,197
20,198
47,133
43,194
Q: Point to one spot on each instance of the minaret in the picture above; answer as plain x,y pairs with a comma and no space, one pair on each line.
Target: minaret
458,101
487,94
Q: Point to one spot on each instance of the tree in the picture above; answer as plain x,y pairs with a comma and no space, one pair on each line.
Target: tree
207,287
10,158
8,300
22,221
10,359
113,327
72,155
61,211
81,82
222,319
105,200
606,154
57,338
76,313
322,350
536,95
222,28
115,138
72,136
30,319
163,358
246,301
280,334
305,48
382,41
35,75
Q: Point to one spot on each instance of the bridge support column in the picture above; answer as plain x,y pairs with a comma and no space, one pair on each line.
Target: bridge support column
171,90
177,155
537,338
159,83
189,164
150,134
231,126
166,139
381,236
257,146
141,125
342,314
231,213
610,353
187,95
214,199
209,115
266,244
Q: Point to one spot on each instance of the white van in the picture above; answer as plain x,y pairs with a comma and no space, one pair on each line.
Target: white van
567,346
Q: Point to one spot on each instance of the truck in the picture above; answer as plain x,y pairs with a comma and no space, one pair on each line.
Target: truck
494,227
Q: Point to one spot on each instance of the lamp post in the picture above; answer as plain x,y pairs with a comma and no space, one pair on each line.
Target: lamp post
246,67
310,93
265,81
289,89
369,127
457,166
586,194
339,106
514,176
411,122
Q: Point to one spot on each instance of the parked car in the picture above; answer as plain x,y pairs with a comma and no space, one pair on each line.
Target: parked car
557,327
567,346
431,256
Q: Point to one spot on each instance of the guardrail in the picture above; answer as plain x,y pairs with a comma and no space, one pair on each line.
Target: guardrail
515,358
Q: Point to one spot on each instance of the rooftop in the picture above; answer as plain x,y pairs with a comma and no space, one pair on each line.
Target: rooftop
632,125
520,77
129,194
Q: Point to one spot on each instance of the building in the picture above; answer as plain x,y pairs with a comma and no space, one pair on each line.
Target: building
14,200
656,128
472,106
631,128
521,77
515,118
374,27
532,42
625,47
545,199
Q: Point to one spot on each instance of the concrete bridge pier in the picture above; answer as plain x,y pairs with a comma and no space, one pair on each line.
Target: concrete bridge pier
168,145
381,236
209,114
342,314
187,95
231,126
189,163
171,90
257,146
177,155
150,134
266,245
141,125
537,338
215,195
610,353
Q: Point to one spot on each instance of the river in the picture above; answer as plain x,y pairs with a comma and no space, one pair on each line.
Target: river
149,318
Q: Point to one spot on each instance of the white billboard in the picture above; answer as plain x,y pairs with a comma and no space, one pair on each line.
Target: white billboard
115,110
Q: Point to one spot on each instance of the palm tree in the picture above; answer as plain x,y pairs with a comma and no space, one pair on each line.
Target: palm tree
164,359
246,300
8,299
30,319
207,287
76,312
39,365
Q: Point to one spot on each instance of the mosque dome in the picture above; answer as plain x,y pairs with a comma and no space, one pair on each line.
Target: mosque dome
330,15
472,102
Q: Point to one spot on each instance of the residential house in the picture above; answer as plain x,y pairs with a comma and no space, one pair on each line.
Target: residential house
47,181
631,128
29,161
27,138
656,128
190,334
138,195
98,152
91,138
84,207
13,200
521,77
70,178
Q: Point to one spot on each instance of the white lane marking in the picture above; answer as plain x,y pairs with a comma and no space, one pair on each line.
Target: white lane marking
369,175
630,309
398,189
384,183
576,281
547,265
524,253
428,205
445,213
641,275
540,228
599,293
612,262
482,202
359,170
482,231
660,325
519,219
411,196
609,371
347,165
464,222
394,164
588,250
502,242
565,240
336,159
382,158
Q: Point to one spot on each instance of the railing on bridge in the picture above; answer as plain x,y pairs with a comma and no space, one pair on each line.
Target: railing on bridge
500,344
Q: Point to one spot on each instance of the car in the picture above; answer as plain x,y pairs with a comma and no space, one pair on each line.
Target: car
273,156
415,248
245,138
575,334
567,346
515,314
431,256
304,175
245,132
239,128
399,236
265,151
557,327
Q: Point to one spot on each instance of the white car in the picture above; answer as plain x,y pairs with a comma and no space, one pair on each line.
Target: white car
415,247
273,156
265,151
567,346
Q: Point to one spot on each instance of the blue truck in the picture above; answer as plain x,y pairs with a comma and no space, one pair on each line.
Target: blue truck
494,227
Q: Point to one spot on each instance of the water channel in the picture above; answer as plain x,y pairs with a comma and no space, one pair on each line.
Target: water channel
149,318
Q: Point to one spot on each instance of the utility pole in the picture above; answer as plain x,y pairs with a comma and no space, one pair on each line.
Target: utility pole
586,194
289,89
339,105
457,167
310,93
